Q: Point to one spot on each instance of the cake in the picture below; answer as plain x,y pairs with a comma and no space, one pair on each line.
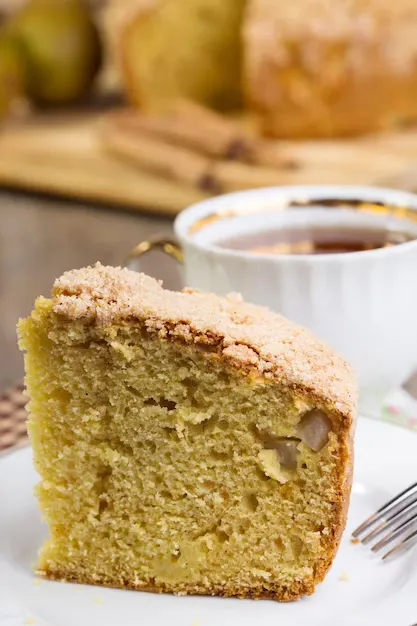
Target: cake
306,68
320,68
172,49
185,442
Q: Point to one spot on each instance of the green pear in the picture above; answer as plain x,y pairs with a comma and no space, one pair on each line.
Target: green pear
62,49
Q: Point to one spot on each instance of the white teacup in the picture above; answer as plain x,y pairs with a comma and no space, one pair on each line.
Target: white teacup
363,303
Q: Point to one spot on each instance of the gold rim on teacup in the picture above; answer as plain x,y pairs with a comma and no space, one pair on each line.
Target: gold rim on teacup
381,208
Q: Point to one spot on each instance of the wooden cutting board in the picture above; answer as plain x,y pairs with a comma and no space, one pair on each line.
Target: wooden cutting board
62,154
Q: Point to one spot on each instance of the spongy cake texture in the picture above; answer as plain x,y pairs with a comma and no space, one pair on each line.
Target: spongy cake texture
185,442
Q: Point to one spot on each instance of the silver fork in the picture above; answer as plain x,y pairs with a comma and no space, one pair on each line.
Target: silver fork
394,521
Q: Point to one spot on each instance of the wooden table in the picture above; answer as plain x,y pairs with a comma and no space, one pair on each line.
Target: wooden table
42,237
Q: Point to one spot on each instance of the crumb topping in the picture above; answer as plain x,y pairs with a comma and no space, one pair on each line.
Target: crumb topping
251,337
347,33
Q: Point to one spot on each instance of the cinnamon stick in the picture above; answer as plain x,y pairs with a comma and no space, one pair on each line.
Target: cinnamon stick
192,126
159,157
151,153
226,138
236,141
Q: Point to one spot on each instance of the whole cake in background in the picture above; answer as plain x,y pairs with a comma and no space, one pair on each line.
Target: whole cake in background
318,68
308,68
185,442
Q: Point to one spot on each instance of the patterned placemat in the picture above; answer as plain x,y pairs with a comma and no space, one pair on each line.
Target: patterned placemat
13,430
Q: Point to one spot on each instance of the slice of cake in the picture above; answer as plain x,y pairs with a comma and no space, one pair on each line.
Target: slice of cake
186,443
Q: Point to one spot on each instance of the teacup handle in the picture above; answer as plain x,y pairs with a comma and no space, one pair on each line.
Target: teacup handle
169,245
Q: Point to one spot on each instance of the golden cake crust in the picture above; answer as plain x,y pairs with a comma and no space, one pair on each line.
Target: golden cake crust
320,68
252,338
287,594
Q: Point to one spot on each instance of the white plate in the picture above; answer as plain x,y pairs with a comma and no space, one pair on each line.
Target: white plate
359,590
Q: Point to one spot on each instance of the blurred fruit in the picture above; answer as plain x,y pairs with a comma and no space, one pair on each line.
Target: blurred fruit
11,73
62,49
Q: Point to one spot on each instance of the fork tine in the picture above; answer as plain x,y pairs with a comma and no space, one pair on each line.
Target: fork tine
372,519
401,544
391,520
396,532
